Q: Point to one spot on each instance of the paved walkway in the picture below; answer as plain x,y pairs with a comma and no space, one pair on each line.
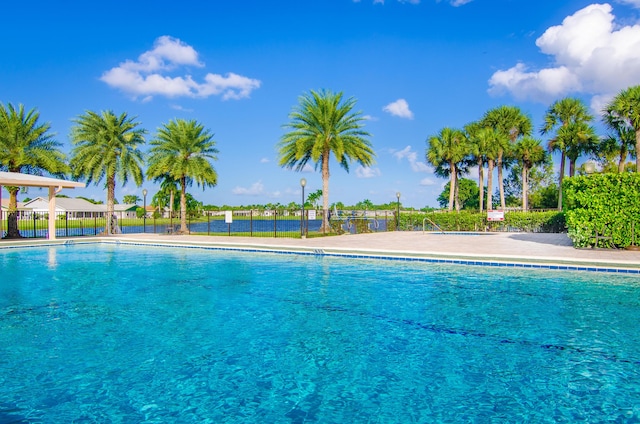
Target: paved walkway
502,247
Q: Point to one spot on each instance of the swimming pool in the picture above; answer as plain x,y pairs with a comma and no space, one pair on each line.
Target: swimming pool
117,333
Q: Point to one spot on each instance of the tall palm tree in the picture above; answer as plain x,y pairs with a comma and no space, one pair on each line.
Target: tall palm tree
529,152
486,144
165,196
28,147
512,123
183,150
621,140
449,147
582,139
626,106
560,115
320,125
106,146
478,149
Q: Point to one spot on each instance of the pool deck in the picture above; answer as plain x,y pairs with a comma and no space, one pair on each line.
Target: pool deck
520,248
493,248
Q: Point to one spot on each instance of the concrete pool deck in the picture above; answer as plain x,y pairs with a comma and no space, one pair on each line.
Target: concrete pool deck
547,250
510,248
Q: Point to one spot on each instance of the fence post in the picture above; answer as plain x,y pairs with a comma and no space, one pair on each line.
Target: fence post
208,224
95,224
66,224
251,223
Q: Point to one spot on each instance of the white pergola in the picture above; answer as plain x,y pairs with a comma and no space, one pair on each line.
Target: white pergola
55,185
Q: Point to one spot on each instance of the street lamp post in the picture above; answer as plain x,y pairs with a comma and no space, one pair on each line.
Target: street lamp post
398,211
303,182
144,216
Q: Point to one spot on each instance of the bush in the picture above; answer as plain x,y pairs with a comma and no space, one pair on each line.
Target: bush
602,210
547,222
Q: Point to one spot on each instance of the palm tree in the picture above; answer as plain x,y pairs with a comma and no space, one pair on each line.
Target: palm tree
581,138
486,144
106,146
131,199
621,140
28,147
626,106
512,123
529,152
165,196
561,114
448,149
322,124
183,150
478,148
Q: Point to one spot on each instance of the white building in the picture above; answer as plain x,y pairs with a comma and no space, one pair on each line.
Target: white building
79,208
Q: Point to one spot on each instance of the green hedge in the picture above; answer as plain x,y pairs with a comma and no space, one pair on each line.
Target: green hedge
546,222
607,205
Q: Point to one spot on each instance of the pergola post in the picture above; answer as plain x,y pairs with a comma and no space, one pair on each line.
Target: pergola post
52,213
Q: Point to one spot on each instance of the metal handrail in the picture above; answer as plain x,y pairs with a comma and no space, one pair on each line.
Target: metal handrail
432,223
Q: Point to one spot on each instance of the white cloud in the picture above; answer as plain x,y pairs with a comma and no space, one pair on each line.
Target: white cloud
427,182
634,3
256,189
592,55
265,160
362,172
412,157
454,3
150,75
399,108
180,108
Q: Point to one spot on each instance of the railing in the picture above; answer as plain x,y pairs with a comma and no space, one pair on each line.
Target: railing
252,223
433,224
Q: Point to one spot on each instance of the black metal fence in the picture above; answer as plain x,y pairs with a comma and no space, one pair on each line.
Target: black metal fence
252,223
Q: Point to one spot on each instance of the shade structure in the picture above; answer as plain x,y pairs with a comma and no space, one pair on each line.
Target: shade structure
55,185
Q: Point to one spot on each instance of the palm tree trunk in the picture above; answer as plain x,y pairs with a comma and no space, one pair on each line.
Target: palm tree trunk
481,183
183,205
12,213
111,194
490,166
325,193
501,182
562,161
638,150
623,159
525,188
452,184
572,167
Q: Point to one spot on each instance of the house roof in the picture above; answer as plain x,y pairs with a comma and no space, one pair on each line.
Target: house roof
67,204
5,204
123,207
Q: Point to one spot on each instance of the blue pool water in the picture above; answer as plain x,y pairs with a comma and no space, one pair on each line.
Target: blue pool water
128,334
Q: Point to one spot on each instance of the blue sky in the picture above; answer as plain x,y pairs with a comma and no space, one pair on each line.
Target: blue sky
239,67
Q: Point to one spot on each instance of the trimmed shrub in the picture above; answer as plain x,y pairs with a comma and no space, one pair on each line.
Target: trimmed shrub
603,210
547,222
